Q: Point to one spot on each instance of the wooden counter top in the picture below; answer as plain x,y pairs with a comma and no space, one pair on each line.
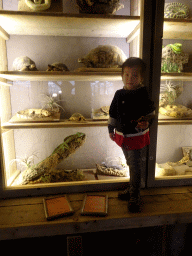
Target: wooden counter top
25,217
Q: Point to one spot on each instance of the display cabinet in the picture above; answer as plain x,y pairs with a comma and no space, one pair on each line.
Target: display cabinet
56,37
47,38
170,154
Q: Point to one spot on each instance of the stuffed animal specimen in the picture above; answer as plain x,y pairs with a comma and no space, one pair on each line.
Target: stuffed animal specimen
77,117
57,66
64,150
104,56
24,63
99,6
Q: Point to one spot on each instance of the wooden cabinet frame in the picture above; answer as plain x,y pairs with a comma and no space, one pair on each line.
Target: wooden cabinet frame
172,29
149,23
58,25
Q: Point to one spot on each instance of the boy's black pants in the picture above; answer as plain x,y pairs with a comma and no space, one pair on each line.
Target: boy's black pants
136,160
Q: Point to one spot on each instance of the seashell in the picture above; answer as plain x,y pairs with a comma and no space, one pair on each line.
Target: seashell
104,56
24,63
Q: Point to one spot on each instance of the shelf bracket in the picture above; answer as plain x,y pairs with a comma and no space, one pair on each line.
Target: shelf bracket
4,34
5,83
133,34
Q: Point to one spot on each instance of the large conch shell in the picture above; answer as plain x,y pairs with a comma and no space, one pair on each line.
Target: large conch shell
37,5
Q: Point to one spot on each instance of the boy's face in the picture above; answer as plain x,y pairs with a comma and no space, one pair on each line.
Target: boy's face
132,78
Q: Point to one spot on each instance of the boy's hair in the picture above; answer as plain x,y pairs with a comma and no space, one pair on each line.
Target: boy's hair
134,61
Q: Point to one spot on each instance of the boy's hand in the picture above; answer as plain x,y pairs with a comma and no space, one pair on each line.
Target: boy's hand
112,136
143,125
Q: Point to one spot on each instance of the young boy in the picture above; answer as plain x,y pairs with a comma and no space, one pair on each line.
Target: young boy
130,113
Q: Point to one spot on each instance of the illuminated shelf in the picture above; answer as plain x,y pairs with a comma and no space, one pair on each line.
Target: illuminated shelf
79,76
177,29
174,121
59,124
185,76
60,24
88,123
60,76
86,25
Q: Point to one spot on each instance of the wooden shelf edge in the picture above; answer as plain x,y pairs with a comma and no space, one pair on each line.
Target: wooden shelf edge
88,123
59,76
4,34
177,29
174,121
60,24
177,76
80,76
177,20
59,124
69,15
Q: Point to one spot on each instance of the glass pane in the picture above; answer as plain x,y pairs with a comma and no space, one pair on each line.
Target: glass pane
35,112
30,137
174,142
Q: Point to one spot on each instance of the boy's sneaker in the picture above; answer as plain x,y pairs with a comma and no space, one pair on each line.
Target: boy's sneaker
125,195
134,204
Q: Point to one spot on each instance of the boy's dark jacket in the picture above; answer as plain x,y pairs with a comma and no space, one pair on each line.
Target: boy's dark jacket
127,107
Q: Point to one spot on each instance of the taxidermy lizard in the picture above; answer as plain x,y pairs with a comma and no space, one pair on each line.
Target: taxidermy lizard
64,150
